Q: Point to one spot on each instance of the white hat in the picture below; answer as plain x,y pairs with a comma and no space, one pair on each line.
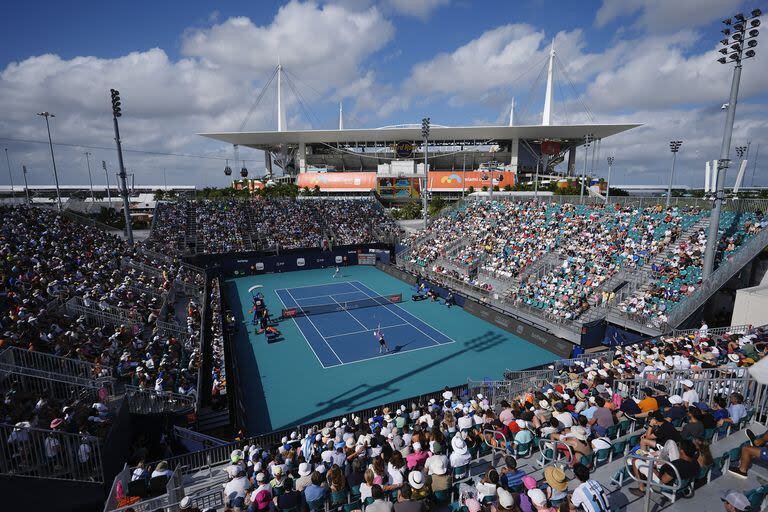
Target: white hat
458,444
544,404
417,446
579,432
687,383
305,469
537,497
506,499
261,477
675,400
416,479
736,499
521,423
185,502
734,357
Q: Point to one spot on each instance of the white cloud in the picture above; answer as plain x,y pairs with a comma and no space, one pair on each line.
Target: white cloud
664,15
166,101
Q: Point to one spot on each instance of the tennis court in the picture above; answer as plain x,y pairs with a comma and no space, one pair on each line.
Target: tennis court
298,379
339,321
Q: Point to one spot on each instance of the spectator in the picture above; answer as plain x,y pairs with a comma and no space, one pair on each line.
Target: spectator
589,495
379,504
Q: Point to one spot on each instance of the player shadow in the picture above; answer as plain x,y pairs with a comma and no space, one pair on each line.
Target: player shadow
400,348
366,395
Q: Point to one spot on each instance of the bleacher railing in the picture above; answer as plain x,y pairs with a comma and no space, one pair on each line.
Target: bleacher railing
101,314
715,331
149,401
48,364
32,452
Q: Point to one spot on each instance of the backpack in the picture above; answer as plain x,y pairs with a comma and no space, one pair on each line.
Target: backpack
596,495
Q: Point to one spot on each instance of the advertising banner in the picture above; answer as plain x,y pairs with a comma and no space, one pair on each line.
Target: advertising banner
447,181
338,181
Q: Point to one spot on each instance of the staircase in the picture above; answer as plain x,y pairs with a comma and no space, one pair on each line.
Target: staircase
210,421
190,235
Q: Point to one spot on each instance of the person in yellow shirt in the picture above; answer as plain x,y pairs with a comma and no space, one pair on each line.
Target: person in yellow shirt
648,404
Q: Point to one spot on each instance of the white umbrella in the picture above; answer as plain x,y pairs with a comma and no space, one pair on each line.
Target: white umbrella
254,287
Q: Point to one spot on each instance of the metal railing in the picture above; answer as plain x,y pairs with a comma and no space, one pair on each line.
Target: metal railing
63,367
168,501
38,453
715,331
149,401
101,314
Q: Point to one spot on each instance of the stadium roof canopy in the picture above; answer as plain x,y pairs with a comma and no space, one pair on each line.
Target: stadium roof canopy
273,140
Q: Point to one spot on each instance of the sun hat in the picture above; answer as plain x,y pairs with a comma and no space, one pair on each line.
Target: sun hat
185,502
416,479
579,433
734,357
506,499
529,482
261,477
556,478
458,444
236,456
305,469
737,500
537,497
687,383
675,400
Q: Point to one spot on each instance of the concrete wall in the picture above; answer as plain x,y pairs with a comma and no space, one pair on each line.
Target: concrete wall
751,306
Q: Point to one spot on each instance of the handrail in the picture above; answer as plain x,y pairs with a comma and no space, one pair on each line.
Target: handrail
650,482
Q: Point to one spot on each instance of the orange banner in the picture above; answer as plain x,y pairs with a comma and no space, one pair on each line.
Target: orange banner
447,181
338,181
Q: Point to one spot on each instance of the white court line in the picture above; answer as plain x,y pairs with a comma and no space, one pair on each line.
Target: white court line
367,330
313,325
316,286
326,295
389,354
298,327
404,319
350,314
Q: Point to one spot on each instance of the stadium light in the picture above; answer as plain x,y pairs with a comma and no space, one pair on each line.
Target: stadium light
46,115
736,53
117,112
26,185
674,147
608,186
587,141
425,135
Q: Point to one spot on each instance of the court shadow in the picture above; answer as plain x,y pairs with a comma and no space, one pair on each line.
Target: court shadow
369,395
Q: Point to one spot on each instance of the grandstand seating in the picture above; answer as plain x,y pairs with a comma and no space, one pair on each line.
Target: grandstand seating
214,227
560,260
518,424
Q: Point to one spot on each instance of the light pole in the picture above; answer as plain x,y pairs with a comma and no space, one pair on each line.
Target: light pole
26,186
116,112
536,180
425,135
10,174
608,186
737,37
587,142
674,147
106,173
46,115
90,178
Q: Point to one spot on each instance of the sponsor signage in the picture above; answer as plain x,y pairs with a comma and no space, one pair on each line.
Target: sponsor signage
404,148
440,181
338,181
300,262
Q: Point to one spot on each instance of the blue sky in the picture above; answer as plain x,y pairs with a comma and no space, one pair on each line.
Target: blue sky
187,67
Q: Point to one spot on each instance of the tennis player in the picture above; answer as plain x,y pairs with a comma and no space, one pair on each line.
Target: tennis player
337,273
382,342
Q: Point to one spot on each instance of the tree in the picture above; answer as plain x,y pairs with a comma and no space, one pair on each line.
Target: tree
471,190
316,190
485,188
159,194
507,188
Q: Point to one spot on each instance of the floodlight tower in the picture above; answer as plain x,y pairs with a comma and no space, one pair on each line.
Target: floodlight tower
425,136
674,147
738,45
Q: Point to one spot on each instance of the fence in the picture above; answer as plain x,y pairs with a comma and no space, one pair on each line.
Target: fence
149,401
101,314
716,331
32,452
174,492
47,364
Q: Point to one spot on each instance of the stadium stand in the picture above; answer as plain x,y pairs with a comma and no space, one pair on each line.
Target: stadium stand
215,227
568,264
584,429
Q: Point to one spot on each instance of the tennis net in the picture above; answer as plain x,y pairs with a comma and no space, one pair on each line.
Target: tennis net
333,307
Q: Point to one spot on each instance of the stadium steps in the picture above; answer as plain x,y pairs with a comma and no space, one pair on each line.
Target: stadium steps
551,258
211,422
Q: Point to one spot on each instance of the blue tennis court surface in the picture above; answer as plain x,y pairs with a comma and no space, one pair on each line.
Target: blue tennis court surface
343,337
329,364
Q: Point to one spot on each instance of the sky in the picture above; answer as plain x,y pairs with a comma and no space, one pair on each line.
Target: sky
188,67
